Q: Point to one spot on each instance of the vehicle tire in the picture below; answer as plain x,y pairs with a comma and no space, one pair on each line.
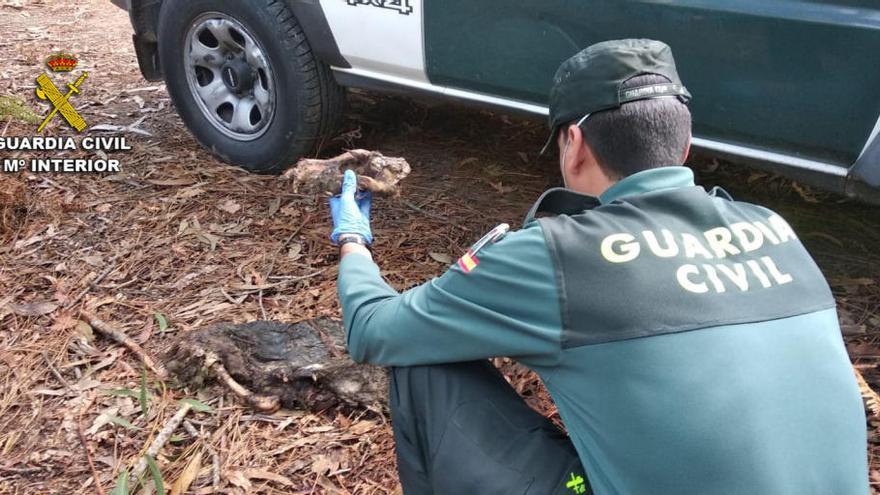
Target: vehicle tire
245,81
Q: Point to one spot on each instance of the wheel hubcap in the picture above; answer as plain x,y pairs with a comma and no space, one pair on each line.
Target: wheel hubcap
238,76
229,76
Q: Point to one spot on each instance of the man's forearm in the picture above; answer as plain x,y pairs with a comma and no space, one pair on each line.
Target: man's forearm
361,291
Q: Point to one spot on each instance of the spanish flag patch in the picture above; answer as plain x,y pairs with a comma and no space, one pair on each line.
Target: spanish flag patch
468,262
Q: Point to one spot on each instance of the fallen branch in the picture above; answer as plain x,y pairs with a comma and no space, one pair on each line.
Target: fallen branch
160,440
263,403
120,337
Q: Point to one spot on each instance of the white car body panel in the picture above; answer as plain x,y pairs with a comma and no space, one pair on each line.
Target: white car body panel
382,40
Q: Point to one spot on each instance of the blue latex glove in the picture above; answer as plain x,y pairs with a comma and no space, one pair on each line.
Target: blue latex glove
351,210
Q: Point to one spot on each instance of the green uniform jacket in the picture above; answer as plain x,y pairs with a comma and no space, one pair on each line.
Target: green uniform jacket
689,342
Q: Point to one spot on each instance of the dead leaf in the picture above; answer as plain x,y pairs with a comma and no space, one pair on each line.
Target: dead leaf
322,464
85,330
266,475
804,193
86,384
95,260
229,206
189,474
501,188
756,176
194,228
146,332
239,479
189,192
110,359
274,206
853,330
362,427
102,420
63,322
319,429
103,208
295,251
33,309
441,258
329,487
48,391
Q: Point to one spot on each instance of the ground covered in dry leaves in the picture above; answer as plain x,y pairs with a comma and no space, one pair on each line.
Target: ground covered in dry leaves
178,241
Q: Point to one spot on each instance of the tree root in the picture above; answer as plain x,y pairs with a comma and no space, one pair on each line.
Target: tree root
263,403
376,172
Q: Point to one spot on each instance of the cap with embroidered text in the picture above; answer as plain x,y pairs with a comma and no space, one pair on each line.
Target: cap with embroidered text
592,80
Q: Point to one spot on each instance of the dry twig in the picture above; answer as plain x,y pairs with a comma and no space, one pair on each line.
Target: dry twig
120,337
160,440
55,371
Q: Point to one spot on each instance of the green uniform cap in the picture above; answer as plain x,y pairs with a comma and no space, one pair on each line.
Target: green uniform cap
591,80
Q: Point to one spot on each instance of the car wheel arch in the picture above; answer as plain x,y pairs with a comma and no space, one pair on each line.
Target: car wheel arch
144,15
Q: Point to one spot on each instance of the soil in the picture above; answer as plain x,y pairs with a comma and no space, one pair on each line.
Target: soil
177,242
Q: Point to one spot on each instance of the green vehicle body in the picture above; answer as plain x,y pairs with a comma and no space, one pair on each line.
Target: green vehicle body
788,85
796,77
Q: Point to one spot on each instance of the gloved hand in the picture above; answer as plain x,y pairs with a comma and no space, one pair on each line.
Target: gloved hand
351,210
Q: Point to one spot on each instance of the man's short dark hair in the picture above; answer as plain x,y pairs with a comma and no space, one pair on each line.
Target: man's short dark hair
641,134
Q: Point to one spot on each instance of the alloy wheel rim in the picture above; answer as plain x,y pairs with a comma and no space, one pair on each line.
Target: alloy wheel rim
230,76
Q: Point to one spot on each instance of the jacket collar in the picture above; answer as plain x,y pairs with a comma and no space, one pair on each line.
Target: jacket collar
652,180
562,201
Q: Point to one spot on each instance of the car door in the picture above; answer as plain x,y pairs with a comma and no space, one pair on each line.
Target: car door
380,39
791,77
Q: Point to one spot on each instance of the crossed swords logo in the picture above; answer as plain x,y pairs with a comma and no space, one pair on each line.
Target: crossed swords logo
48,91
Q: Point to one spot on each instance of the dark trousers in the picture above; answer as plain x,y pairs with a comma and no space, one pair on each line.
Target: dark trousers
460,429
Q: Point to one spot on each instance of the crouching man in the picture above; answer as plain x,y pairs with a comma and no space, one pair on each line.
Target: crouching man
689,341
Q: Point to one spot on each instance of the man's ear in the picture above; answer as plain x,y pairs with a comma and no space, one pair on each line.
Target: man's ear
575,150
581,161
687,151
